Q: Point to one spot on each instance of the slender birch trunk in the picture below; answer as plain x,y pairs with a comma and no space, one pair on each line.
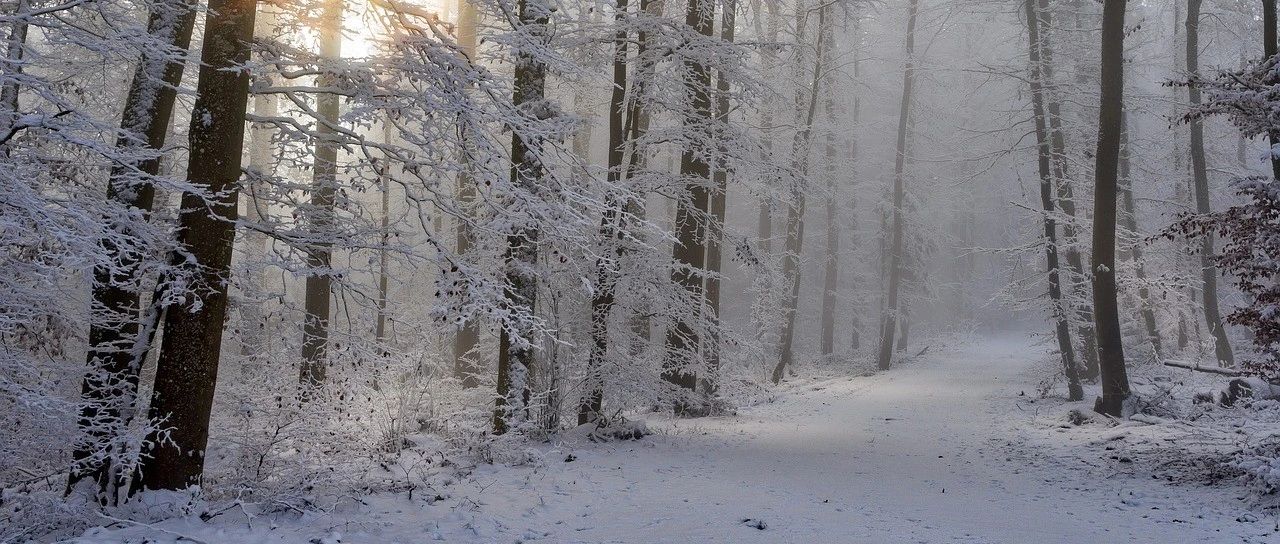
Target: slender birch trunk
384,261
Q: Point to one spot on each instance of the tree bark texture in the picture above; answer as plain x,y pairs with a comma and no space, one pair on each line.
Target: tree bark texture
187,370
1115,379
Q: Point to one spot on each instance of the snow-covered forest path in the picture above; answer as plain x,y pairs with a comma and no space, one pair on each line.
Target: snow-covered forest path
936,450
927,452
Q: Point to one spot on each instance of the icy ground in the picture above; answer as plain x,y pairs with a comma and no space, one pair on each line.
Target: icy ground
944,448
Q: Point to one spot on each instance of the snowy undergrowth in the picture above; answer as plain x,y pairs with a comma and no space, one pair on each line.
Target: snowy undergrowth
1172,437
397,440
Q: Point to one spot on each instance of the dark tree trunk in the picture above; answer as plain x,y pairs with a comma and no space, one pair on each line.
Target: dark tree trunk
904,327
1115,379
855,337
692,211
890,317
882,242
187,371
1062,326
1200,174
1077,278
117,344
315,324
764,224
516,356
14,51
1269,50
1183,338
384,261
589,409
1183,193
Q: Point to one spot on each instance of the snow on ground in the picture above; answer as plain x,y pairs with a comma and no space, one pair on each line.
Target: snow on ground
952,447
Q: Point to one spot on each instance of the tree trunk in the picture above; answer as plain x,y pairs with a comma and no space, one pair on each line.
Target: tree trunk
516,355
715,234
1129,220
1115,380
692,209
889,322
855,321
831,269
1062,325
467,340
795,212
1183,192
384,261
1199,173
904,327
764,223
768,63
117,343
14,52
187,371
611,226
315,324
637,125
1076,279
1269,50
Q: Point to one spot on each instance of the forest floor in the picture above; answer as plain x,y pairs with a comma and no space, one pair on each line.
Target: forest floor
953,446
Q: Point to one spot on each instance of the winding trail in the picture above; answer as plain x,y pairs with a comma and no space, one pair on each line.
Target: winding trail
927,452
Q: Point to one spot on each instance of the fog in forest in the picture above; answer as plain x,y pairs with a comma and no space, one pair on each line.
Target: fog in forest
679,271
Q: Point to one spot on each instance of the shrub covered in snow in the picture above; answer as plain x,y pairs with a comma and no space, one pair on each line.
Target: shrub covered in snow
1260,464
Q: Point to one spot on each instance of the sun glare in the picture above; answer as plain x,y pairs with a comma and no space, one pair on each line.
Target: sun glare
364,22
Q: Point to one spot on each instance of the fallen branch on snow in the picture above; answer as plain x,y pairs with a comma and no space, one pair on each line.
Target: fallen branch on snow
1198,368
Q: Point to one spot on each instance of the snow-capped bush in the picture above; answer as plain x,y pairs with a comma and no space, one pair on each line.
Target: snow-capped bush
1260,465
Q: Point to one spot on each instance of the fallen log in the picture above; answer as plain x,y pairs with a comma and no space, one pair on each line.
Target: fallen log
1198,368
